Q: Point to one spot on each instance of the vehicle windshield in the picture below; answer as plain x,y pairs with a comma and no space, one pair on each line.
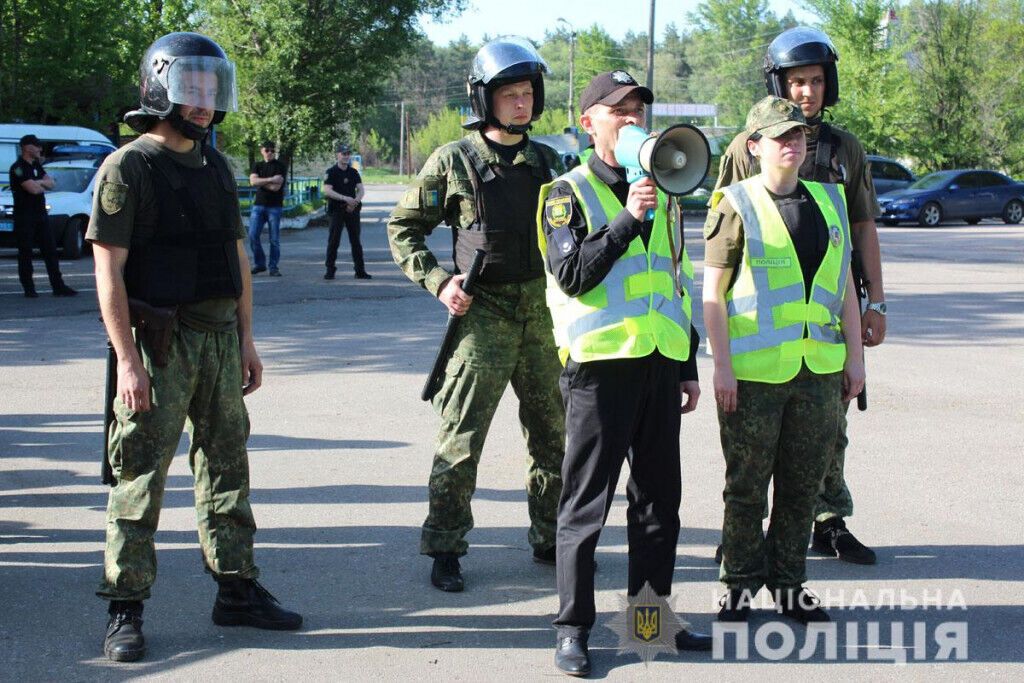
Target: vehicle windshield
68,179
931,181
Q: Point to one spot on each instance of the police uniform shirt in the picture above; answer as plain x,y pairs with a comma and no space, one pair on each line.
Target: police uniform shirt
723,231
849,163
26,203
342,181
580,259
269,169
125,202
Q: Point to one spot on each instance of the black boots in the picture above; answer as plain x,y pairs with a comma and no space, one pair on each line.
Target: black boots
446,573
244,602
832,538
124,641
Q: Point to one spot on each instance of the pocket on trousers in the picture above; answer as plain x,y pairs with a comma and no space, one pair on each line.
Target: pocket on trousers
446,400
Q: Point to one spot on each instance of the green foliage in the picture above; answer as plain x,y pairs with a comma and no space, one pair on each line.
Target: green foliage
375,149
442,127
552,122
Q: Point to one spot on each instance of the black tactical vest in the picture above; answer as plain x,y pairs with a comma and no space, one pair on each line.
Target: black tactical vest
506,219
819,164
191,255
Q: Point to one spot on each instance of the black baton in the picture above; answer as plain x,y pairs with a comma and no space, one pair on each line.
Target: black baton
106,471
433,384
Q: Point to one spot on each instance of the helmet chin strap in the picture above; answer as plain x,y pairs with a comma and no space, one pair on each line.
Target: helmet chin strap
186,128
510,128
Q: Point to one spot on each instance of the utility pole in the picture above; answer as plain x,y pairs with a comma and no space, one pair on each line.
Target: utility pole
650,64
572,70
401,139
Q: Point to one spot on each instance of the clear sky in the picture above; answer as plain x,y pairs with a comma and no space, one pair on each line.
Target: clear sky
531,18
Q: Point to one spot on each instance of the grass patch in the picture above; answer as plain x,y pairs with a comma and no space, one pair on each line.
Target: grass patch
383,176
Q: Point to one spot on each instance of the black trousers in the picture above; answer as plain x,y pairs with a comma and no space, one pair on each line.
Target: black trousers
34,230
615,410
342,219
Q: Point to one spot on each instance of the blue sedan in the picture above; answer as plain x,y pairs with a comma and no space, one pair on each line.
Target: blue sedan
968,195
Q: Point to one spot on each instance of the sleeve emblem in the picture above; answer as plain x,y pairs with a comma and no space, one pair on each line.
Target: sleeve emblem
558,211
112,197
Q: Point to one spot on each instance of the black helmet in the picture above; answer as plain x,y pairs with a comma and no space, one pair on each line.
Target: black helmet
801,46
506,60
183,69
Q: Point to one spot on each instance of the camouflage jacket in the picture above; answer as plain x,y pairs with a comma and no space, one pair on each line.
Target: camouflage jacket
443,192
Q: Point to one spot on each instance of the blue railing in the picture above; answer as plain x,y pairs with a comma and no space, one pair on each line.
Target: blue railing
297,190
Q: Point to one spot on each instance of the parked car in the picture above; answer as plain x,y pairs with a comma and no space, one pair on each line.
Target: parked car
889,174
68,204
966,194
54,138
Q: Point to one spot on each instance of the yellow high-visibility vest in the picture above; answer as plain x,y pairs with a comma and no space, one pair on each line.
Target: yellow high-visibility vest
773,325
642,304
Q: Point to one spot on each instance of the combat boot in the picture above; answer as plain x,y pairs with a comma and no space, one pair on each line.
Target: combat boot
244,602
832,538
124,641
800,604
446,573
735,605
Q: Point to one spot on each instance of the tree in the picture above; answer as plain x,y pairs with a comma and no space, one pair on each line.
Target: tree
725,54
307,69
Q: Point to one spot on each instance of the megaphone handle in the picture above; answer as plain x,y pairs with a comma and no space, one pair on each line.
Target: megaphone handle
649,216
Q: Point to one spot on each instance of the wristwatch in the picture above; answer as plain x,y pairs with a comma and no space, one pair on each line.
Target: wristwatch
877,307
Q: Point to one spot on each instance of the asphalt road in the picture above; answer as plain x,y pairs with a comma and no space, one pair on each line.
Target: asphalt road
341,448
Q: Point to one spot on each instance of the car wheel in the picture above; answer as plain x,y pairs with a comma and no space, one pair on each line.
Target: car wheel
972,221
1014,212
890,223
930,215
74,238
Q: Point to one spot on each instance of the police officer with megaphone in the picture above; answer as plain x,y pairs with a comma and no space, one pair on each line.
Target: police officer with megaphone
628,348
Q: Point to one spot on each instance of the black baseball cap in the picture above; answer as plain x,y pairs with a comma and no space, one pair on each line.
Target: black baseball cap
342,148
611,87
30,140
269,146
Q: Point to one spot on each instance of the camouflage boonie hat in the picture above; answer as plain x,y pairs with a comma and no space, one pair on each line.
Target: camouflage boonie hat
773,116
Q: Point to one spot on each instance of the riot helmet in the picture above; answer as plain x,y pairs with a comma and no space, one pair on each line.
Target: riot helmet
183,69
801,46
503,61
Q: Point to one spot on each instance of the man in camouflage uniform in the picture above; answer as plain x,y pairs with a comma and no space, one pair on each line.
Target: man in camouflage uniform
174,288
800,65
485,188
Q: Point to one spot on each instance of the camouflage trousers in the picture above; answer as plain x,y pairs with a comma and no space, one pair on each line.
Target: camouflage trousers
504,337
778,431
201,387
834,499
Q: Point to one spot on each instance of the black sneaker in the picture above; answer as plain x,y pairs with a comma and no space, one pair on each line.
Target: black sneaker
244,602
329,275
31,294
446,573
735,605
364,276
124,641
275,273
833,539
800,604
64,290
258,269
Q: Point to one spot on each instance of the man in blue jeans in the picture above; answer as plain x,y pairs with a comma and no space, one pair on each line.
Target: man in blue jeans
268,178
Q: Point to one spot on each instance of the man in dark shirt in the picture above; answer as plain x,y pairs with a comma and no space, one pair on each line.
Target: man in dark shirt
28,184
268,178
343,187
629,357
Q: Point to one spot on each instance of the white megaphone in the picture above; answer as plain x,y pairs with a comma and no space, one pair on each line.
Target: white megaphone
678,158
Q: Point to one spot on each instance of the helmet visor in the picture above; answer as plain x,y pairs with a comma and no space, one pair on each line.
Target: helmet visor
204,82
511,54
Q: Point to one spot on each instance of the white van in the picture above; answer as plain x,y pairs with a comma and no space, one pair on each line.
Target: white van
71,156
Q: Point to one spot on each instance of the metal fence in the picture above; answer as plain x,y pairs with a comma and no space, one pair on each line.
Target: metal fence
297,190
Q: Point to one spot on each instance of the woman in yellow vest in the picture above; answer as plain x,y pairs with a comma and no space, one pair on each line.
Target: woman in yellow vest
778,297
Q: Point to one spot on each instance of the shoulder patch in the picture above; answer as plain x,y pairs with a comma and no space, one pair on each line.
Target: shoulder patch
112,196
558,211
712,224
19,171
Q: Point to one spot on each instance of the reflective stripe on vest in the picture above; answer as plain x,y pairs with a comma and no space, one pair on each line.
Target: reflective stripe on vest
637,307
767,305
